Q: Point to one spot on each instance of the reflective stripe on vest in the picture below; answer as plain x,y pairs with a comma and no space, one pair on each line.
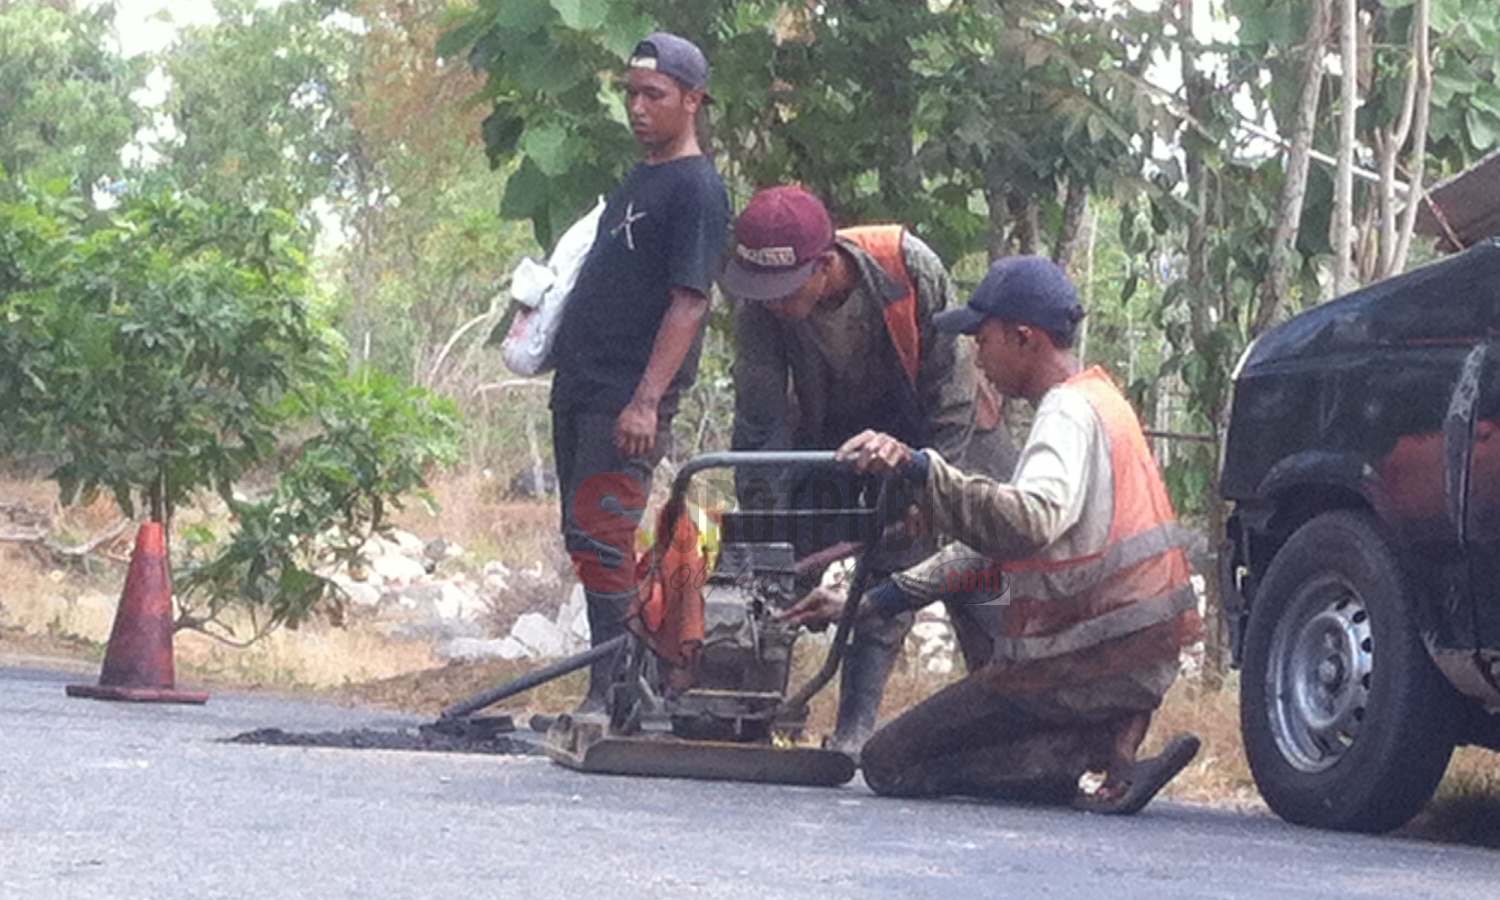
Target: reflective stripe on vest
1138,580
883,243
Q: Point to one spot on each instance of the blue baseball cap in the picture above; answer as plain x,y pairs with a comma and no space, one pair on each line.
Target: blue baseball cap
1030,290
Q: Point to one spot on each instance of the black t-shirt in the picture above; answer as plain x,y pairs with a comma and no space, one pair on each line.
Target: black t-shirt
664,227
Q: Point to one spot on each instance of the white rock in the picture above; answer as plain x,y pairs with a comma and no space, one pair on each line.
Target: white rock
408,543
357,592
838,573
938,665
932,641
439,549
454,602
929,632
481,648
540,636
573,619
397,569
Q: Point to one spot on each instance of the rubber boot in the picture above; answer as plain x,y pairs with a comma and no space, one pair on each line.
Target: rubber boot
607,615
867,665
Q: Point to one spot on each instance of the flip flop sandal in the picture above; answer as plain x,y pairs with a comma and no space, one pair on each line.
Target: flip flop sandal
1143,779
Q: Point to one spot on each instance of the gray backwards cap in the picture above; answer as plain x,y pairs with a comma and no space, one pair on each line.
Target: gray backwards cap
671,55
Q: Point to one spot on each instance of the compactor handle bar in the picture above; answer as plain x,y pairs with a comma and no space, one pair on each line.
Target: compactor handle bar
733,459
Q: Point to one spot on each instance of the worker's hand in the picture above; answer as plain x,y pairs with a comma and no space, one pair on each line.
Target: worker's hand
874,452
821,606
635,429
915,522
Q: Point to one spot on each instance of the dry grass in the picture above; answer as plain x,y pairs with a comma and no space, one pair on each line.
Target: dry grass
475,513
68,610
429,691
1219,775
1466,808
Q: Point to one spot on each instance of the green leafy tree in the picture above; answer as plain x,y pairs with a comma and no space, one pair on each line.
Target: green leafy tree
159,345
166,352
259,106
373,440
426,252
65,107
983,127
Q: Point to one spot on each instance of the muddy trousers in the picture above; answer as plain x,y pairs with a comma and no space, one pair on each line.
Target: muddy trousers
971,740
603,496
873,649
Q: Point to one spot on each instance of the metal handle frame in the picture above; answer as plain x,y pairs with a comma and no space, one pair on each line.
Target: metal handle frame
797,703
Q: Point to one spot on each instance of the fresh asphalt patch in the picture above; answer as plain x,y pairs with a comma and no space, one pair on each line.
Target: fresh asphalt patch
489,734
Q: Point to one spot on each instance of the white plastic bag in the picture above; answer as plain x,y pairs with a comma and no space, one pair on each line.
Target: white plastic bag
542,291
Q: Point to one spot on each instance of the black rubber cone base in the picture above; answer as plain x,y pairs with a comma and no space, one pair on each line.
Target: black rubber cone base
136,694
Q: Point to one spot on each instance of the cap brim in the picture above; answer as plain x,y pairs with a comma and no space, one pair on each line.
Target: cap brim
964,320
745,283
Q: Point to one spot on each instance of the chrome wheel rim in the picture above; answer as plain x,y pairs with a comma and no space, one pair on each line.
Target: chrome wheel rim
1318,679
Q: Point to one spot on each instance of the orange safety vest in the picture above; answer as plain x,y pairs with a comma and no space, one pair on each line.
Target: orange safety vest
1139,579
883,243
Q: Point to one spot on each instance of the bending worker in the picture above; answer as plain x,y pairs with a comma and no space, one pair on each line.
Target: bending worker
1098,602
846,319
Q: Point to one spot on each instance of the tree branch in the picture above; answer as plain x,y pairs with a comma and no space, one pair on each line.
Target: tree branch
1294,188
43,538
1415,197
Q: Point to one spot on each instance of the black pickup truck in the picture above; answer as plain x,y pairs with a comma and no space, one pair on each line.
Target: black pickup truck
1361,573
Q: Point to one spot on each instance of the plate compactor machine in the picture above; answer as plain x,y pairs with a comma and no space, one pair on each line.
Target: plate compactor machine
702,677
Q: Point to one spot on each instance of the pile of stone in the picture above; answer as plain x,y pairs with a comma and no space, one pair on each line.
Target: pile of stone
405,592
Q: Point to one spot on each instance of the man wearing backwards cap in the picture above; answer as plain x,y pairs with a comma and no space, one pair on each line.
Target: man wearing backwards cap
1098,601
846,319
628,342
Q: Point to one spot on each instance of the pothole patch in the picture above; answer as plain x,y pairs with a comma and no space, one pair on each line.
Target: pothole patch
493,735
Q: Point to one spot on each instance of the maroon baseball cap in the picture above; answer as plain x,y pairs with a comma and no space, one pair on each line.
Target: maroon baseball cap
778,238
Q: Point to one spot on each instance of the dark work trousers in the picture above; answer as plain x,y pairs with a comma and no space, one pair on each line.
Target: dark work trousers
874,647
603,495
876,642
971,740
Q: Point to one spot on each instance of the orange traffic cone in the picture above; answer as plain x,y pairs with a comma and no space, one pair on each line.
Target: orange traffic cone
138,662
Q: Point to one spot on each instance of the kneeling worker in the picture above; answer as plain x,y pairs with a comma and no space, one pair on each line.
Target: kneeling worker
1098,601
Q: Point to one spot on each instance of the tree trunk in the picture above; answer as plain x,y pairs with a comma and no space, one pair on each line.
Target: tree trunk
1299,157
1422,53
1075,206
1202,301
996,195
1028,224
1388,145
1341,235
1088,286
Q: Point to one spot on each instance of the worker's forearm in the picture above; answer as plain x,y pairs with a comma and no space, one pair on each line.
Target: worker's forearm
990,516
673,341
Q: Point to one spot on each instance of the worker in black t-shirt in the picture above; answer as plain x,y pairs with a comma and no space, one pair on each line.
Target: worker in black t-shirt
630,335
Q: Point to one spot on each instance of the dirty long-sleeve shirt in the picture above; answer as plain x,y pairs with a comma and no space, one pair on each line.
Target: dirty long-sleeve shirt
793,391
1059,504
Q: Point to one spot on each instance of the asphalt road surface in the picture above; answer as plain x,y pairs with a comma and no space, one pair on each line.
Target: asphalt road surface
123,801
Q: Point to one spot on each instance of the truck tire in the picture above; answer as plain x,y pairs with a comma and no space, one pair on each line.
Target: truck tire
1347,723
